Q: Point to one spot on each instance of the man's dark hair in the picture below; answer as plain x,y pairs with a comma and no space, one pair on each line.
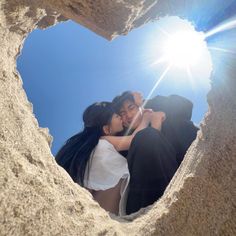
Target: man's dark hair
119,100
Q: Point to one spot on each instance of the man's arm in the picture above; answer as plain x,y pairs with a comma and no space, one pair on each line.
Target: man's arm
174,106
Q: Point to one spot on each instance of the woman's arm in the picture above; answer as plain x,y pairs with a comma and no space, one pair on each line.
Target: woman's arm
122,143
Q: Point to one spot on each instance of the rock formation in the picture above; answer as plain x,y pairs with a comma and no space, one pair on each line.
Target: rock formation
37,197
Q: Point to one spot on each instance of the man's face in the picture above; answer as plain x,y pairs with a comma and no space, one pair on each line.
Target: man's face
131,114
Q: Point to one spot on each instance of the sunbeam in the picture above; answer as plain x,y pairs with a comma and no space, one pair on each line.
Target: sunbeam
221,50
159,61
157,83
222,27
148,97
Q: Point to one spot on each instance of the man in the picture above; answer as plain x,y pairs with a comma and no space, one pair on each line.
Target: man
155,153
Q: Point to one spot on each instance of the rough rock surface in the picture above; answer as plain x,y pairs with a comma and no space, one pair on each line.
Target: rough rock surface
38,198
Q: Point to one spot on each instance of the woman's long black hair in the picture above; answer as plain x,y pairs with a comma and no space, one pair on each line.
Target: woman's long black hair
75,153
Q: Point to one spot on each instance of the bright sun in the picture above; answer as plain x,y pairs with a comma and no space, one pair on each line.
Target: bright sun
184,49
178,54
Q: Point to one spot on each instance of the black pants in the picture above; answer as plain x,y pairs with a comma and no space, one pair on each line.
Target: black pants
152,163
180,134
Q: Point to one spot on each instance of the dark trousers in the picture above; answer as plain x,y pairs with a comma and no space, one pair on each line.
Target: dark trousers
152,163
180,134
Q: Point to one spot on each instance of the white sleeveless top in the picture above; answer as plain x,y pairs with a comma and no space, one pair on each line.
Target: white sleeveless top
106,168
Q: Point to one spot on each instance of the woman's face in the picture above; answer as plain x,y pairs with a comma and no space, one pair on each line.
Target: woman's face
116,124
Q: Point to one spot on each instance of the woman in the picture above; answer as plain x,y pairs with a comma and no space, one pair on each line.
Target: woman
92,159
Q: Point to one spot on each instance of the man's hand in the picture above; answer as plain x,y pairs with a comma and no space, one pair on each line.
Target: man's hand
157,118
147,116
138,98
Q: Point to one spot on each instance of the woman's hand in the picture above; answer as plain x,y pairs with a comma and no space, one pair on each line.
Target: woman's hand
157,118
147,116
138,98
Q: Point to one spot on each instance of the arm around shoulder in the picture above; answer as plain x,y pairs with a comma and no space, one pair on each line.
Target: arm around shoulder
122,143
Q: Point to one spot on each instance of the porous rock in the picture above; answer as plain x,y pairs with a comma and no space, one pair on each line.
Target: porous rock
37,197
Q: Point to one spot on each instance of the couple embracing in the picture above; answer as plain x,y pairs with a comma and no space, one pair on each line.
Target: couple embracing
127,154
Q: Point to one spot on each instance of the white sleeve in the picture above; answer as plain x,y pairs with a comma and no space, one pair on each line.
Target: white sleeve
106,168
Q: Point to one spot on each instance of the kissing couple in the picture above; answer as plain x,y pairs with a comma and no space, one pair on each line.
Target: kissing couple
129,149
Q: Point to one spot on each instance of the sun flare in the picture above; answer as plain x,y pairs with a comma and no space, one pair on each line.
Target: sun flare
177,45
184,49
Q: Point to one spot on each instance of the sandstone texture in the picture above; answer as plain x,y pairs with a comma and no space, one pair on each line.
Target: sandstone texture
37,197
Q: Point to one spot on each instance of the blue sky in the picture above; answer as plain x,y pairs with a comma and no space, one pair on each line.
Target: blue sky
67,67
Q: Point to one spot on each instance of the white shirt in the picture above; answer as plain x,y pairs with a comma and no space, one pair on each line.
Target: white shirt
106,168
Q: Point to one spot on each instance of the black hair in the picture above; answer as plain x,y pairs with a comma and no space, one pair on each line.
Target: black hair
75,153
119,100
